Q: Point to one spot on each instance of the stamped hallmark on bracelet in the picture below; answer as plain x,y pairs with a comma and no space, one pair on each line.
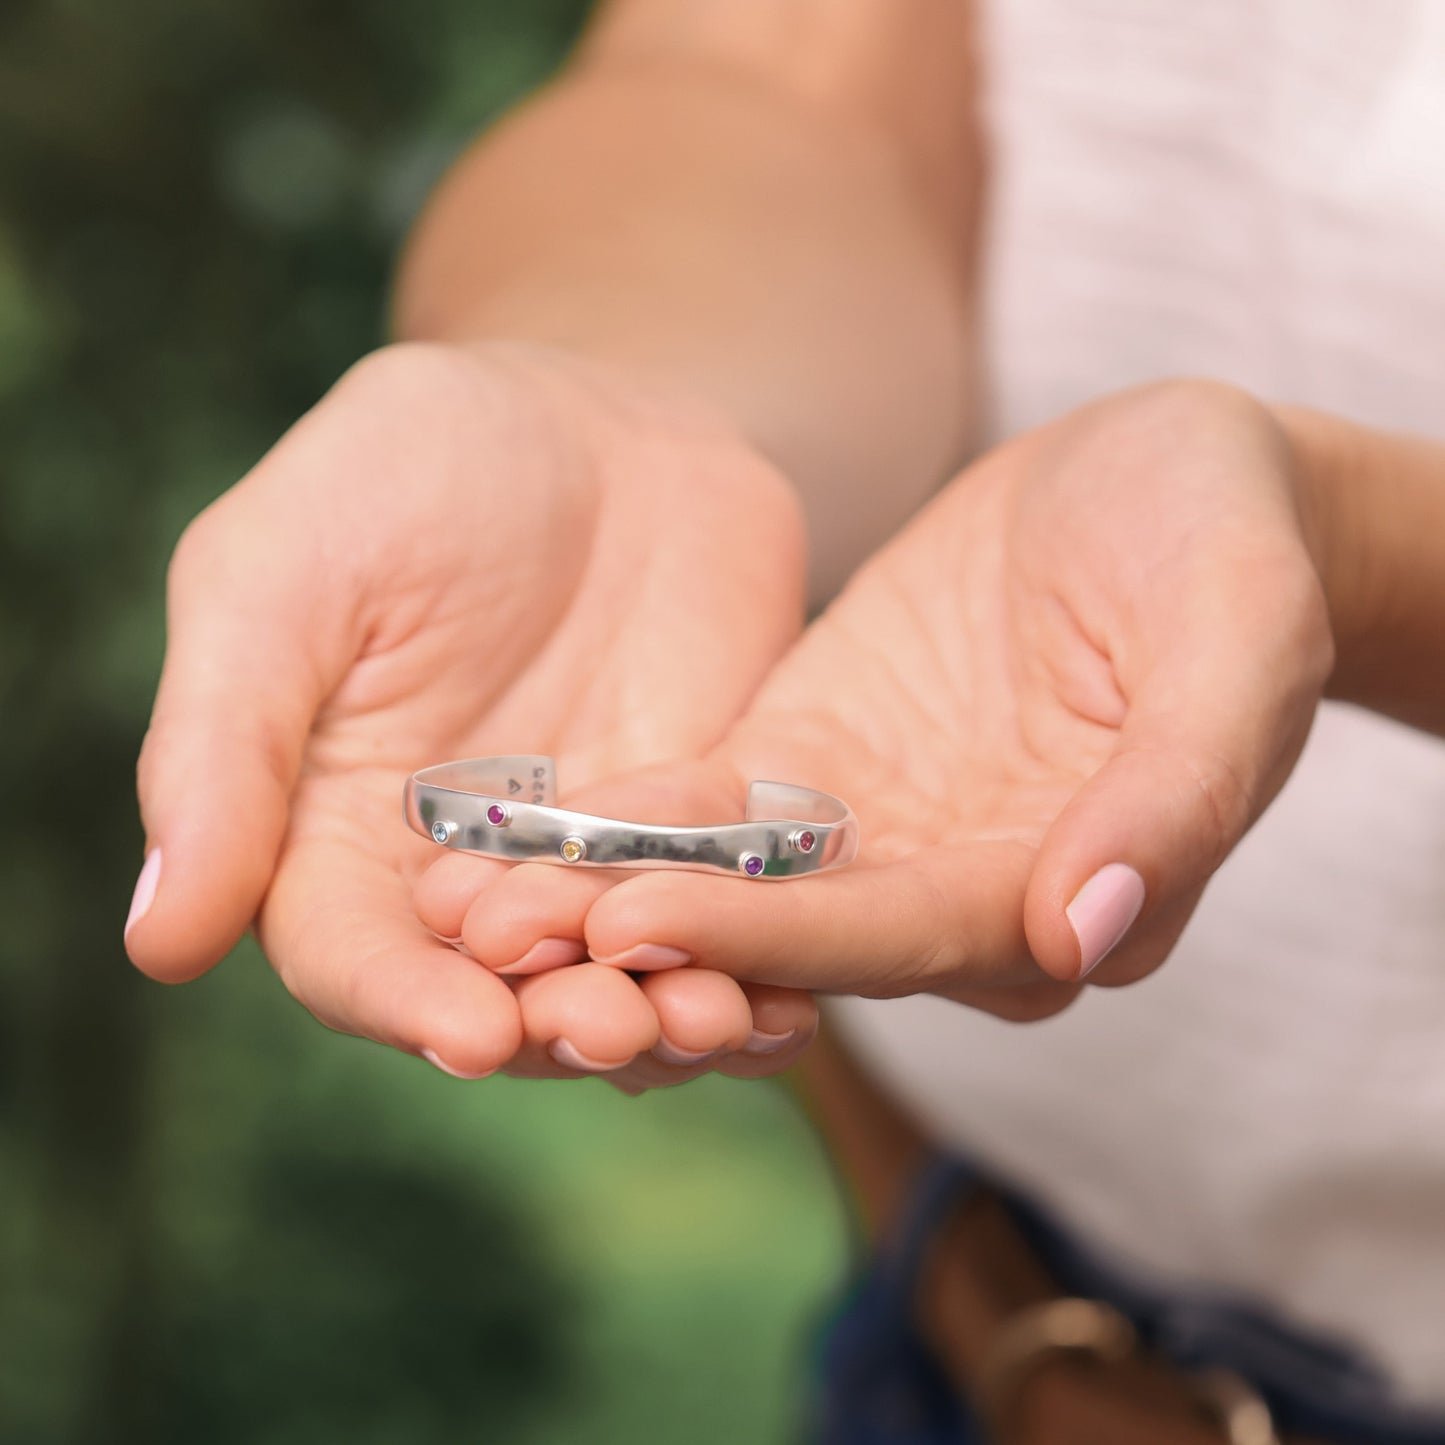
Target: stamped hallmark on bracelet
504,807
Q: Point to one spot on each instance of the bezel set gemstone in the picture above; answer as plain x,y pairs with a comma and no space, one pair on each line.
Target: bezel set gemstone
805,840
573,850
499,815
752,864
442,832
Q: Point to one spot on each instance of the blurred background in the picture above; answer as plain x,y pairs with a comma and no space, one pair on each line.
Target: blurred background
219,1222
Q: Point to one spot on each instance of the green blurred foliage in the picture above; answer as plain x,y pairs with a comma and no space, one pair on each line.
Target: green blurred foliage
218,1222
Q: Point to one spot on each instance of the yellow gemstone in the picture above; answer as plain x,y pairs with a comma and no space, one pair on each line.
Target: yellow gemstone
573,849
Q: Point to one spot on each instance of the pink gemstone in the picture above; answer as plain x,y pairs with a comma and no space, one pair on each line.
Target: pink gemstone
753,866
806,840
496,815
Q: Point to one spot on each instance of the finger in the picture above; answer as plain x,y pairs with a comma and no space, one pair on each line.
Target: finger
257,637
943,918
785,1023
703,1007
1214,726
700,1014
529,920
531,917
746,1065
579,1021
702,1017
1146,945
780,1017
340,928
447,887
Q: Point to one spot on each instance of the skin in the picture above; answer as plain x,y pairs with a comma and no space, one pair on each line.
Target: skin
1104,643
1010,701
772,205
579,477
371,598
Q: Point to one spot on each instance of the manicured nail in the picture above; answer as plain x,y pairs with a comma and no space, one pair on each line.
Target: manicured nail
669,1053
648,957
432,1058
145,889
548,954
1102,912
765,1043
567,1054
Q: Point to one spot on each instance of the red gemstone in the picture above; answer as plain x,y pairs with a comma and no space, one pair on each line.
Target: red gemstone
496,815
806,840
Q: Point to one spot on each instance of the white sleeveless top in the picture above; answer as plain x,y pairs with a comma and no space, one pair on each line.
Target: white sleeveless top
1252,190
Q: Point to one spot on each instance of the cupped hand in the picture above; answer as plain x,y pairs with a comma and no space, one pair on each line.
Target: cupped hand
457,553
1056,701
653,1021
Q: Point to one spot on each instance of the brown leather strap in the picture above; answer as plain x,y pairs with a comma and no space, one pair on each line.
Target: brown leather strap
980,1275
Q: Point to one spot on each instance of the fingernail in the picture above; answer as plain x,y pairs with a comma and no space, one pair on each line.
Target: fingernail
765,1043
647,957
669,1053
432,1058
1102,912
567,1054
548,954
455,943
145,890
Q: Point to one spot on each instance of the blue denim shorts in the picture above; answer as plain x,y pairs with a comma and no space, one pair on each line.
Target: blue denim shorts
876,1382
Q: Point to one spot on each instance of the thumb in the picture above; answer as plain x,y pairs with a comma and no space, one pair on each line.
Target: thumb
1214,728
253,647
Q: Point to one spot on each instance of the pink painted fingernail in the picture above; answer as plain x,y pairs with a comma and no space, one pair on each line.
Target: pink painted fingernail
648,957
1102,911
669,1053
766,1043
145,889
567,1054
431,1057
546,955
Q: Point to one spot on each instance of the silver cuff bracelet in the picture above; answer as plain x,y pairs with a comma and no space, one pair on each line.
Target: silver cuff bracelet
504,807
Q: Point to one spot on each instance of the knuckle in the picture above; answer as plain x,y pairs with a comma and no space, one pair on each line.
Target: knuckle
427,382
152,749
198,549
1225,798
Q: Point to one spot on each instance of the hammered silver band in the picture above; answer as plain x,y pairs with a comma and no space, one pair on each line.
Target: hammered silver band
504,807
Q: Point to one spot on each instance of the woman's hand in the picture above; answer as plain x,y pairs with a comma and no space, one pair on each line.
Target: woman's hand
459,552
1056,701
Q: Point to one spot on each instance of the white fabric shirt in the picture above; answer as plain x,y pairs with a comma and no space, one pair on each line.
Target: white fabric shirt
1252,190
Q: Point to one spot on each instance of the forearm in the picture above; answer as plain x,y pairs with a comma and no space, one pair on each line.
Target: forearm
1378,513
779,225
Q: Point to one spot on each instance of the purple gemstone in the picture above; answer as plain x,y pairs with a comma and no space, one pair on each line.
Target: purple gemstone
806,839
496,815
753,866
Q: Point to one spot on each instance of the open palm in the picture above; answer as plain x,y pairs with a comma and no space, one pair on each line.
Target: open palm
1061,694
457,553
